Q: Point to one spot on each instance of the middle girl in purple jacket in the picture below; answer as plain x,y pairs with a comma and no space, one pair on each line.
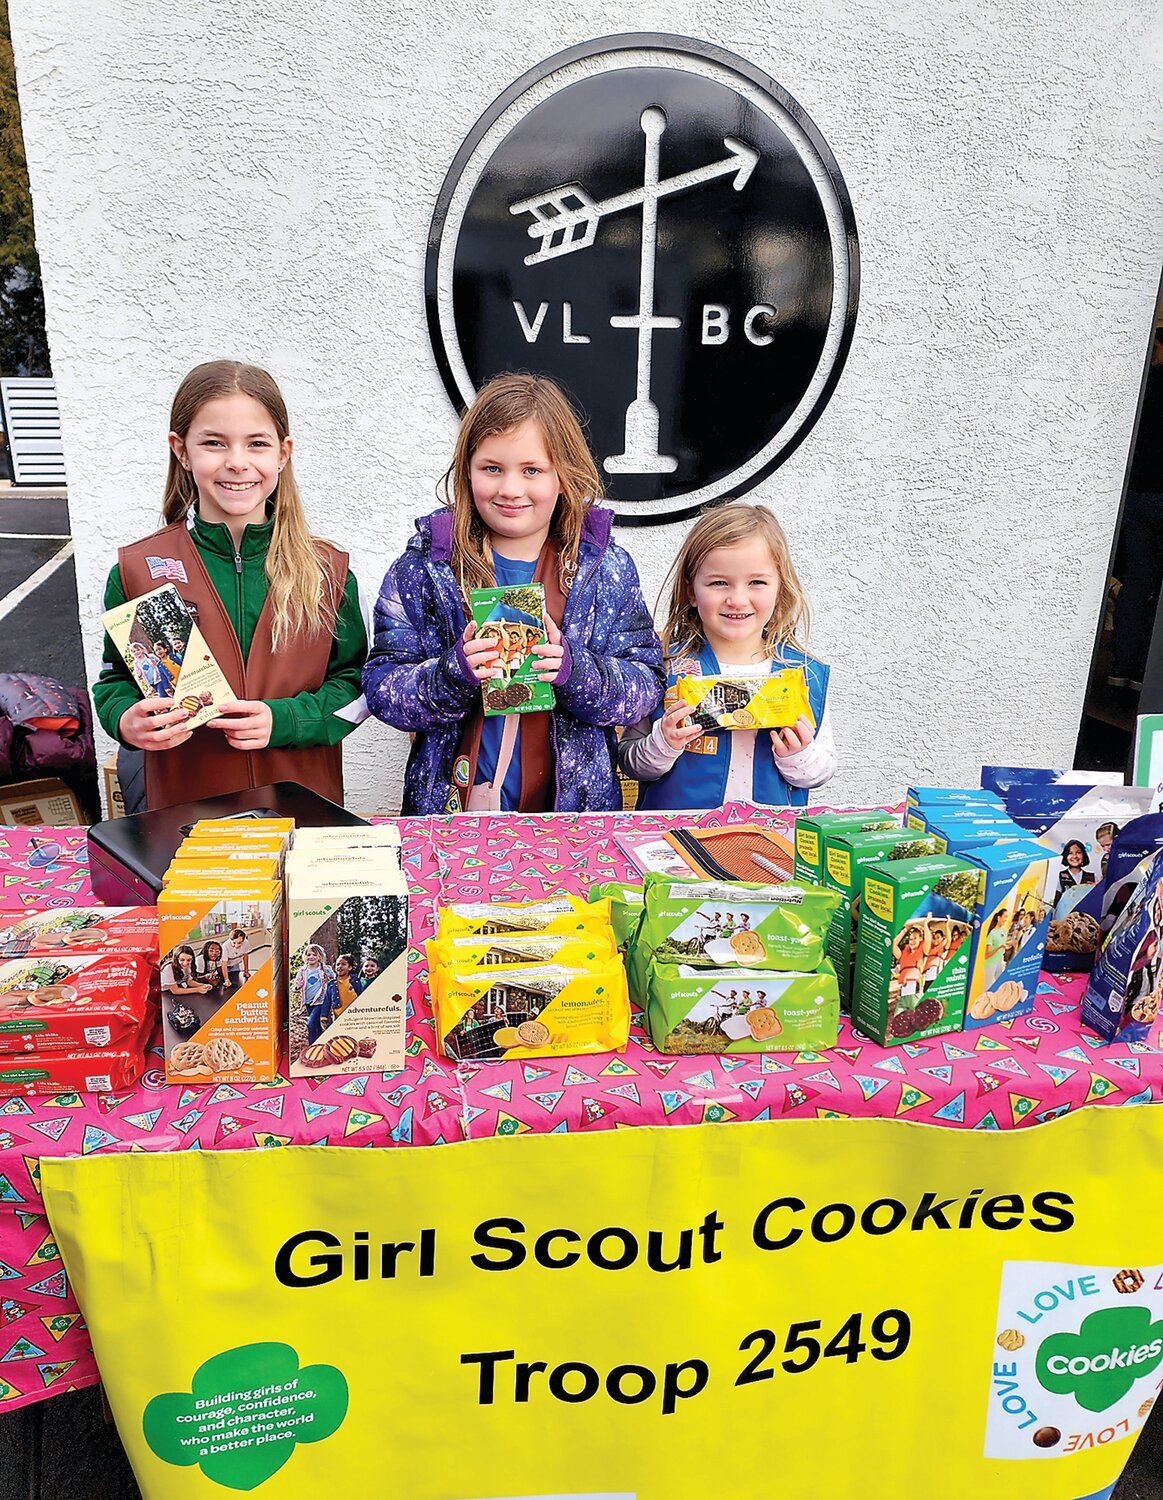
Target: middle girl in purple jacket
518,508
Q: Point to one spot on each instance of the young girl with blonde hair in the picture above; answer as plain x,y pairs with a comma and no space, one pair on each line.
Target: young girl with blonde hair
735,601
278,607
519,507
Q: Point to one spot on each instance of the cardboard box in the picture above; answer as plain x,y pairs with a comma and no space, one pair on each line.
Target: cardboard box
975,798
220,1027
347,974
912,950
1009,932
114,800
811,832
46,801
846,857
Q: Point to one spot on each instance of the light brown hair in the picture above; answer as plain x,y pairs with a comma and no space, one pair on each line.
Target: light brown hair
730,526
505,403
302,592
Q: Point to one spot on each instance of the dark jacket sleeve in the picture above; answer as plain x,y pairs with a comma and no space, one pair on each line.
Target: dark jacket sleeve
406,683
617,677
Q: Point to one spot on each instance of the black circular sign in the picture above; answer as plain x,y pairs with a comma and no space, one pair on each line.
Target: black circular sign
660,228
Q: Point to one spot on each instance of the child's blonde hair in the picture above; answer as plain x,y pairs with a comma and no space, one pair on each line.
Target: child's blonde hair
302,591
729,526
505,403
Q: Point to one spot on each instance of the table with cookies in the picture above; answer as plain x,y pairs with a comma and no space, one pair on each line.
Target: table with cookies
423,982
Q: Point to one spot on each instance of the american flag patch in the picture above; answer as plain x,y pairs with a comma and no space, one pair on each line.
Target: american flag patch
167,567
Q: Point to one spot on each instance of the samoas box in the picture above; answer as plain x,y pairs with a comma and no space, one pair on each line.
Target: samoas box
912,949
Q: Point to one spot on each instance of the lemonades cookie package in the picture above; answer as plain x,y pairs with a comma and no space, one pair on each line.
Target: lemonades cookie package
739,698
513,619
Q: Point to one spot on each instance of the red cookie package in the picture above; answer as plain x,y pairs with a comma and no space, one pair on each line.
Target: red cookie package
79,929
86,1072
58,1003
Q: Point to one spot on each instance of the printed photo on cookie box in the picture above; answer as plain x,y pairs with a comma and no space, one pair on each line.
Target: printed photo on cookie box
1076,1357
1124,991
221,977
1079,824
1009,932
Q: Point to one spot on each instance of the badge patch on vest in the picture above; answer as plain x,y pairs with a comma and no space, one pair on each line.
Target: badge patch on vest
706,744
167,567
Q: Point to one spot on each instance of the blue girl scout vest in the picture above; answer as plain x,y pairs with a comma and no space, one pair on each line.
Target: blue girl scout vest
698,778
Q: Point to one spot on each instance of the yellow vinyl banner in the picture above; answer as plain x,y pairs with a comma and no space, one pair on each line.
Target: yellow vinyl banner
838,1308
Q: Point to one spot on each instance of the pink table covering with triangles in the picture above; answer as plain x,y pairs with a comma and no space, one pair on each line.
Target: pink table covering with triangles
1017,1073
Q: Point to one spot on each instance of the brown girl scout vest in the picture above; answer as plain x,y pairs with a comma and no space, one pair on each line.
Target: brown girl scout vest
206,766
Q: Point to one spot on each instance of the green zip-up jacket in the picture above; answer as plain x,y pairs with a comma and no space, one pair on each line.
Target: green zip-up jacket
323,717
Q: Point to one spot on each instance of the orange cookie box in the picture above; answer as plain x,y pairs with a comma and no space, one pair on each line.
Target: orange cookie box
222,1021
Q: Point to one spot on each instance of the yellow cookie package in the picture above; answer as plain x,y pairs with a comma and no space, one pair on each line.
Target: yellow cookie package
740,699
532,979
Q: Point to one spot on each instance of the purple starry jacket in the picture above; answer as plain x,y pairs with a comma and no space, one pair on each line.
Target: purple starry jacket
417,677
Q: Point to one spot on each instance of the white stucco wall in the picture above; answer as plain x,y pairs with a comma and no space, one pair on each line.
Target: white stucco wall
256,179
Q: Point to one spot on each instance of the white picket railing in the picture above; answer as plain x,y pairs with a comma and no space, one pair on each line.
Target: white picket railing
33,424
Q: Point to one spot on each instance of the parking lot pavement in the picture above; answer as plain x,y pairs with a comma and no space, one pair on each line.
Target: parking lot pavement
39,628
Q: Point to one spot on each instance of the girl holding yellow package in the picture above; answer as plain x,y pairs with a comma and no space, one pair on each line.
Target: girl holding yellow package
735,602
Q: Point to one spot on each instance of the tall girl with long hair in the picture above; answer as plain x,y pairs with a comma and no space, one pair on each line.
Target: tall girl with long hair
519,507
277,606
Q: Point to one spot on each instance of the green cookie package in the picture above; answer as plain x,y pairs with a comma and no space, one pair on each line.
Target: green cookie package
710,924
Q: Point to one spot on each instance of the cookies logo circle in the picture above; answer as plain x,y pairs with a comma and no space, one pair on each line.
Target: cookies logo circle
659,227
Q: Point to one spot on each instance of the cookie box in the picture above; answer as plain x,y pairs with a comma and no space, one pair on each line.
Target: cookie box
167,654
743,699
85,1071
810,833
912,950
508,950
1123,994
735,924
980,798
537,1010
367,835
846,857
513,619
742,1010
347,976
241,829
1009,932
59,1003
80,929
1078,823
221,1023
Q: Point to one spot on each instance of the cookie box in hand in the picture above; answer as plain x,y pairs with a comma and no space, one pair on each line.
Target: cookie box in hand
1009,932
513,618
62,1002
80,929
912,950
734,924
742,1010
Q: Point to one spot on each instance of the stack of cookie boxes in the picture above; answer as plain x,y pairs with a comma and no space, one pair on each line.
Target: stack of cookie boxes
735,967
527,979
347,943
220,925
78,998
953,941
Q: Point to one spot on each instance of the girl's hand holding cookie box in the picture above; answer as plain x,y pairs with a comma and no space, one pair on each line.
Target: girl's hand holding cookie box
519,511
759,730
276,607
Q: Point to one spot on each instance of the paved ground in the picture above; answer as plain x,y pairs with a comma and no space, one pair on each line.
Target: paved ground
39,629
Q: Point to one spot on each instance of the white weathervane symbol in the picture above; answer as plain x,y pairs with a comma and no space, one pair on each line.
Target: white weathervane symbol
566,219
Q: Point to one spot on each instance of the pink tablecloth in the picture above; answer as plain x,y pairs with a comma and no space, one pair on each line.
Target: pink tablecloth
1015,1074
